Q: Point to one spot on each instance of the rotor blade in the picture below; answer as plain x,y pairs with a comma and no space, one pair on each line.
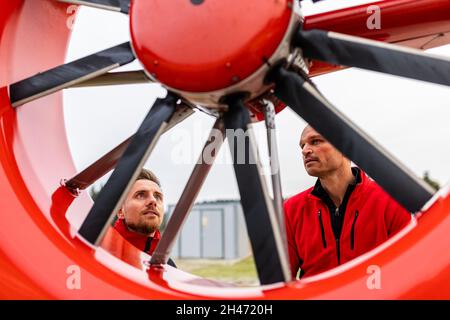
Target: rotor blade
269,252
107,162
127,169
115,78
70,74
373,55
409,191
113,5
190,192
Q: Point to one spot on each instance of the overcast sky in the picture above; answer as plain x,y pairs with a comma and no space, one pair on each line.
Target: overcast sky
410,118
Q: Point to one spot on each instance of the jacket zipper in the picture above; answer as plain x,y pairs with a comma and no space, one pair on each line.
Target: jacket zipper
148,243
352,238
336,212
324,241
338,244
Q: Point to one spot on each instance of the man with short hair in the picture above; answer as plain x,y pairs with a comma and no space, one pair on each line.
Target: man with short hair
343,216
142,213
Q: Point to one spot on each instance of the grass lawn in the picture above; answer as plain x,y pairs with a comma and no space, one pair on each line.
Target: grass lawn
241,273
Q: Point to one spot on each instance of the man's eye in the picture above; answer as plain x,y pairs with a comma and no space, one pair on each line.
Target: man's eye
140,195
315,141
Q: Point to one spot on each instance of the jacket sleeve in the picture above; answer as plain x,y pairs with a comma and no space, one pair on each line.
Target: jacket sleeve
294,259
397,218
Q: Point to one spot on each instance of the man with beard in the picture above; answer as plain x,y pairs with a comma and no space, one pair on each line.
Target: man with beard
142,213
343,216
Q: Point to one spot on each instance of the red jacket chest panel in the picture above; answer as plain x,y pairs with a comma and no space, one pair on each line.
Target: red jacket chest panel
368,221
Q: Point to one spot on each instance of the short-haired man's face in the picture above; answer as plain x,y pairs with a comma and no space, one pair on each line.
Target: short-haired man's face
319,156
143,209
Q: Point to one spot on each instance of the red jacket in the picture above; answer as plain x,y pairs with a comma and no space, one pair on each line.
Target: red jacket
371,216
143,243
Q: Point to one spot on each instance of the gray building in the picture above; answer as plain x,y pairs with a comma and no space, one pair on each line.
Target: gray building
213,230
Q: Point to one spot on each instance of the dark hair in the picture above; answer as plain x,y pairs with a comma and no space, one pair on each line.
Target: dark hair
148,175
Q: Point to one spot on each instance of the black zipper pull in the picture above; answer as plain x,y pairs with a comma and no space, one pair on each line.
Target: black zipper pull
148,243
352,235
322,229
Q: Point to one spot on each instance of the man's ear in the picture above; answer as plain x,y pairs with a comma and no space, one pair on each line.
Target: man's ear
120,214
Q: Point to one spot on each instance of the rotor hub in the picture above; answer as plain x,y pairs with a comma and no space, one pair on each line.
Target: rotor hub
207,49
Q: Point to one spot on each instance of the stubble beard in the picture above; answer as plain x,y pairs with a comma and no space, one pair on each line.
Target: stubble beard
142,227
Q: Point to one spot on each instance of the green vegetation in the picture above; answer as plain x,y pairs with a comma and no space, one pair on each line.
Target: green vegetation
242,272
242,269
433,183
94,191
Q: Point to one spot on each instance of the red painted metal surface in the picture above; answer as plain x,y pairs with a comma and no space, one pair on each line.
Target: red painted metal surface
37,245
209,46
420,24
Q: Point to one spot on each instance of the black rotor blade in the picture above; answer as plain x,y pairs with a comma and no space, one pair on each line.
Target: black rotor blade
116,79
269,252
69,74
302,97
114,5
341,49
127,169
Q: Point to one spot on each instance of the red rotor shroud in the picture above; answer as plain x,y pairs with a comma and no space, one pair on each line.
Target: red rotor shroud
203,46
36,249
